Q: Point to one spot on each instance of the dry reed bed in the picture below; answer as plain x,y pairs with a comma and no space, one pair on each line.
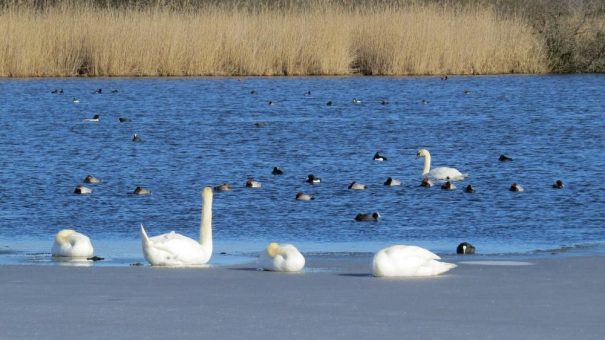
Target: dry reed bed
68,40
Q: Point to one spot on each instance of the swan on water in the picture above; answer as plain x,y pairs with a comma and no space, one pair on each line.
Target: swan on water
174,250
400,260
441,173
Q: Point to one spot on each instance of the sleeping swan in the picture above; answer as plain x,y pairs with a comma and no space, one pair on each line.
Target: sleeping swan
399,260
69,243
174,249
281,258
441,173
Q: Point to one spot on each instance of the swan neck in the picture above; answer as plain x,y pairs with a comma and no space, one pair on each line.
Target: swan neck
427,164
206,223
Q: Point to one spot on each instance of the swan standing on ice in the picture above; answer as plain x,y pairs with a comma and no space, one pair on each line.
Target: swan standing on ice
441,173
174,249
281,258
399,260
69,243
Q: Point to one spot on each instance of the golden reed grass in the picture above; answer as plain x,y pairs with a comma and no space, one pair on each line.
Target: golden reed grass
77,38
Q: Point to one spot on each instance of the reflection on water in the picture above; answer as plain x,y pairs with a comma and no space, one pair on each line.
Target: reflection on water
198,132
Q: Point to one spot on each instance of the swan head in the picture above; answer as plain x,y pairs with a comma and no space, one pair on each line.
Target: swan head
422,153
273,249
207,193
62,236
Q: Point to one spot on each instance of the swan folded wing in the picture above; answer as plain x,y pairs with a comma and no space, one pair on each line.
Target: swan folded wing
445,173
411,251
176,249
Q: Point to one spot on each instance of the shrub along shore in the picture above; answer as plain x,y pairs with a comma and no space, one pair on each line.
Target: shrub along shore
280,38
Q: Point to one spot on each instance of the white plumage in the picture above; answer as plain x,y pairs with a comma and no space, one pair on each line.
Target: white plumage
281,258
70,243
173,250
400,260
441,173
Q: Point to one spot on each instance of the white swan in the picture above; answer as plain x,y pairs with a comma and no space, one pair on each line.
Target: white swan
281,258
400,260
441,173
174,249
69,243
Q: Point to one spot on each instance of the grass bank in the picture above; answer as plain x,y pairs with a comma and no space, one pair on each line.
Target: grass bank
67,38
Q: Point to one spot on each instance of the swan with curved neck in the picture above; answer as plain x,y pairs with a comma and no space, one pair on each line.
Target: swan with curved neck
174,250
70,243
281,258
441,173
400,261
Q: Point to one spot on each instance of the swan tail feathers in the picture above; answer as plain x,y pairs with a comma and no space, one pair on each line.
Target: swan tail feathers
144,234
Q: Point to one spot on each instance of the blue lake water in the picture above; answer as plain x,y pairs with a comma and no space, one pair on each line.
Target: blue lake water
201,131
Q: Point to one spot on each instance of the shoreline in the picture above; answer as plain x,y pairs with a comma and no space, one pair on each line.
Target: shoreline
127,252
551,298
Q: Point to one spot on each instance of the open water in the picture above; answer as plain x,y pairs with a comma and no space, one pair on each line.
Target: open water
202,131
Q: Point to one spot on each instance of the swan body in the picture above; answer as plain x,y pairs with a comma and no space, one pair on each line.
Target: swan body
70,243
281,258
441,173
400,260
175,250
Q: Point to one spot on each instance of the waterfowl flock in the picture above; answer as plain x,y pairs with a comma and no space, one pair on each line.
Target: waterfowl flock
173,249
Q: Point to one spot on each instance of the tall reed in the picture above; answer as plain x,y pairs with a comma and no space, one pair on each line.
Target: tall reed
81,38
